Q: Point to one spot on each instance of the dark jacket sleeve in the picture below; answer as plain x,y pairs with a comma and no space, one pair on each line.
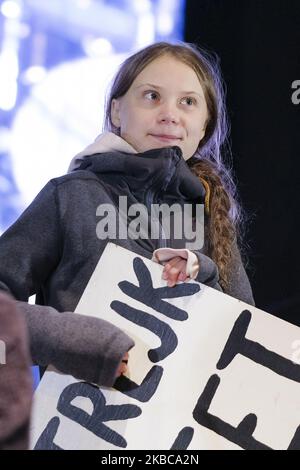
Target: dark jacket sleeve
238,282
208,273
86,347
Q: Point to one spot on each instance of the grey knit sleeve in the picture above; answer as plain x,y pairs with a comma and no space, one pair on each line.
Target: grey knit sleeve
239,285
238,282
86,347
208,272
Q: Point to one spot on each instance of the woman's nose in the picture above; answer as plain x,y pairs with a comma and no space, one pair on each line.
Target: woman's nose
168,114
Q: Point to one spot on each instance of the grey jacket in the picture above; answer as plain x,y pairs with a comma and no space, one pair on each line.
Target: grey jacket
53,249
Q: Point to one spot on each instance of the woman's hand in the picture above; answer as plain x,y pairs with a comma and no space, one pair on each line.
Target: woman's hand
122,369
175,270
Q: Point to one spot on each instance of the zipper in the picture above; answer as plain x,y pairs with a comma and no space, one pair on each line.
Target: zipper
152,198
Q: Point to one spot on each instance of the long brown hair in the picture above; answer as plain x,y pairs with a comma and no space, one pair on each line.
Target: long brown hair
224,213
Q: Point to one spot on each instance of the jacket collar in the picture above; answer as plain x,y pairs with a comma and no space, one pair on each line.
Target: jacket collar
162,170
106,142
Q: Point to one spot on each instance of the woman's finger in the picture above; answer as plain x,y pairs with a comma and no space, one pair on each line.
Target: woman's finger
172,262
182,277
179,264
173,275
174,271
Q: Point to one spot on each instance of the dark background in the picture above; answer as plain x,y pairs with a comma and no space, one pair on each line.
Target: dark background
258,43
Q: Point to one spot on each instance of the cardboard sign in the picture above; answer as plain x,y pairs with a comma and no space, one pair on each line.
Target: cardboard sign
207,371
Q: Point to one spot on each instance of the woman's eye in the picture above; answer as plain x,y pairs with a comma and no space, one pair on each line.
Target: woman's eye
188,100
151,95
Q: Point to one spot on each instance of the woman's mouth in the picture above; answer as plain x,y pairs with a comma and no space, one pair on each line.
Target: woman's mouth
168,138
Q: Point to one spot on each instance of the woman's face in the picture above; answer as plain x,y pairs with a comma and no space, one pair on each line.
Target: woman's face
164,106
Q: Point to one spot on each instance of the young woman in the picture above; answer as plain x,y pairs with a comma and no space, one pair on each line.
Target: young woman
165,124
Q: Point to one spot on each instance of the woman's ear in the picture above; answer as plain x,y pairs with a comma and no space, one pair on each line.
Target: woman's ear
115,112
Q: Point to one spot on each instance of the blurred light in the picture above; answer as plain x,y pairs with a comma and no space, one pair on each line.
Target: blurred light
8,95
164,24
33,75
145,33
61,115
146,30
97,47
5,139
142,6
9,69
23,30
4,184
11,9
84,4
